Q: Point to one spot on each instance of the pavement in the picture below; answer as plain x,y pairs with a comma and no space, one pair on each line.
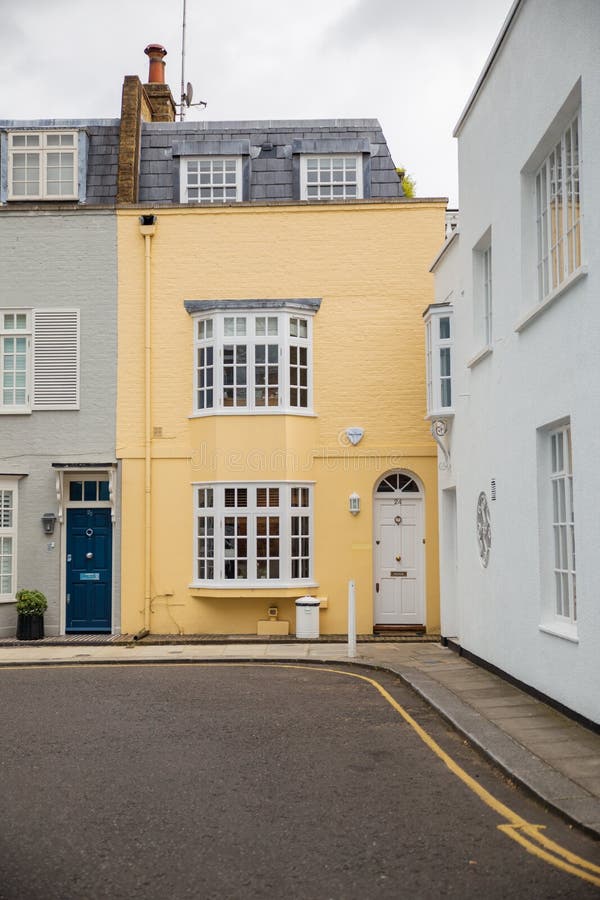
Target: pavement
551,756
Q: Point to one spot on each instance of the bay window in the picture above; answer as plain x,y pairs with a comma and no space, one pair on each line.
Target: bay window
252,361
253,534
438,355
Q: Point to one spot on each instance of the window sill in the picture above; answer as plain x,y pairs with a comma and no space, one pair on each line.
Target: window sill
40,199
483,354
15,412
8,600
272,411
565,630
440,414
550,299
250,591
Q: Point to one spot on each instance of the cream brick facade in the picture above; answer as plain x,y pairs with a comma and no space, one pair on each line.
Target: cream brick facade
367,262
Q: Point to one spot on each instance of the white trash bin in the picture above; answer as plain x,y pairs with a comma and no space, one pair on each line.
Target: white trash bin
307,617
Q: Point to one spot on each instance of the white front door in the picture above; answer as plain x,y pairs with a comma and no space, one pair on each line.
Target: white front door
399,582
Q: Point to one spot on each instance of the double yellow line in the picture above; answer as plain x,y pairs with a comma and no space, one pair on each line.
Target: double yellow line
518,829
515,827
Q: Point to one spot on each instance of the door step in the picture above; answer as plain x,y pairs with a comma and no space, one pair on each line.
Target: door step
398,629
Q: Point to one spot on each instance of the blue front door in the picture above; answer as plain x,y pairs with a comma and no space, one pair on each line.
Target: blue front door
89,570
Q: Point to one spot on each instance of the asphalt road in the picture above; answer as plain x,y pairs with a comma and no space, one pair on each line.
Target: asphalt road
229,781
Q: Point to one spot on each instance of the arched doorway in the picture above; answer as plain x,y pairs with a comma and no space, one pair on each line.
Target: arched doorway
399,559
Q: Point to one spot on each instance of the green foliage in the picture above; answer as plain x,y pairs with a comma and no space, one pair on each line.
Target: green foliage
31,603
409,185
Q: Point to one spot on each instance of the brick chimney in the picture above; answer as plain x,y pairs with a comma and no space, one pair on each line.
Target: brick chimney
152,102
158,93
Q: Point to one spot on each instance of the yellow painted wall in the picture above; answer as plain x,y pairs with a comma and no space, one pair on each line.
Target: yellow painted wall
369,264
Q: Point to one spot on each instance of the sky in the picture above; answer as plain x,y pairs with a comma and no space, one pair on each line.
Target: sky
411,64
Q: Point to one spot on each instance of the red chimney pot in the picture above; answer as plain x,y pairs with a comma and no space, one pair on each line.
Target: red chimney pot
156,72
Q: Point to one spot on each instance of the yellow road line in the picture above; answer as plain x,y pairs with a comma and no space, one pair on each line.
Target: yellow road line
517,828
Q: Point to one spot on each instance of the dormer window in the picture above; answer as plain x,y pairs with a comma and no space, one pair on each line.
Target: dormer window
210,180
42,165
331,177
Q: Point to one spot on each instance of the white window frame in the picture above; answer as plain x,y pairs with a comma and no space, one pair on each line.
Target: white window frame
210,335
53,359
558,212
211,184
294,506
345,194
8,531
558,594
42,152
563,524
436,348
8,370
487,308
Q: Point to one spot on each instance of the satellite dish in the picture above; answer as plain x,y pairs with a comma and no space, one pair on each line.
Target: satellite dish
189,94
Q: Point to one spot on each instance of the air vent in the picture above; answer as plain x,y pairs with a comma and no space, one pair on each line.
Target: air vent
493,488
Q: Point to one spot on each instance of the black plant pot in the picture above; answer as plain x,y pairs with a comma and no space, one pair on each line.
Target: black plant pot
30,628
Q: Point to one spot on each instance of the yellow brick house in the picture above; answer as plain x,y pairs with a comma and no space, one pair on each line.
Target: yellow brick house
271,395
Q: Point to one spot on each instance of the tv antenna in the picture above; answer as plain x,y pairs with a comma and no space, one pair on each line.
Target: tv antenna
187,91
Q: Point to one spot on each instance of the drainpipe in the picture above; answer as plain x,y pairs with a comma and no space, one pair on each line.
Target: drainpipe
147,230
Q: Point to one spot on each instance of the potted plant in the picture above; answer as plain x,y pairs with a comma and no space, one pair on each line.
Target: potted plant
31,606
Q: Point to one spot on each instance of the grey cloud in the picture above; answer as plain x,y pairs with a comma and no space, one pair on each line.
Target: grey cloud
387,20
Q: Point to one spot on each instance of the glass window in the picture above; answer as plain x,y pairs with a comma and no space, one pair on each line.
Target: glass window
558,213
89,491
42,166
8,538
253,363
211,180
15,348
563,524
264,533
438,359
337,177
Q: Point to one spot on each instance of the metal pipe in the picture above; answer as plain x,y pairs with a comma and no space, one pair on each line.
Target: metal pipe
183,86
351,619
147,230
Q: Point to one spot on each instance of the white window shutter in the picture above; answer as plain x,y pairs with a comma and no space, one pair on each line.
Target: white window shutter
56,359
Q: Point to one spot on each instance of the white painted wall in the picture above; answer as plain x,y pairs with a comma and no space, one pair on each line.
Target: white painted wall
548,371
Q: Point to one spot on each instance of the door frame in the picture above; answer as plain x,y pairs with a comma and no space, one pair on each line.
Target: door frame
421,556
64,476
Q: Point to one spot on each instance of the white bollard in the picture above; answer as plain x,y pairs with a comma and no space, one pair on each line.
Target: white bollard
351,619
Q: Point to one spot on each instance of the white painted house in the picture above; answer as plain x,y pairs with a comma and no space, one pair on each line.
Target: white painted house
514,360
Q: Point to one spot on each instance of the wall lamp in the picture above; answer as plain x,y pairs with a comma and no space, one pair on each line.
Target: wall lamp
354,504
48,523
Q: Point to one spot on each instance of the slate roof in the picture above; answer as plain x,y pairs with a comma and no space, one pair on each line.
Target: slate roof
271,167
270,147
103,158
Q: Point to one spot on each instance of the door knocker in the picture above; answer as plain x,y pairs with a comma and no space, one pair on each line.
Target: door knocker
89,532
397,519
